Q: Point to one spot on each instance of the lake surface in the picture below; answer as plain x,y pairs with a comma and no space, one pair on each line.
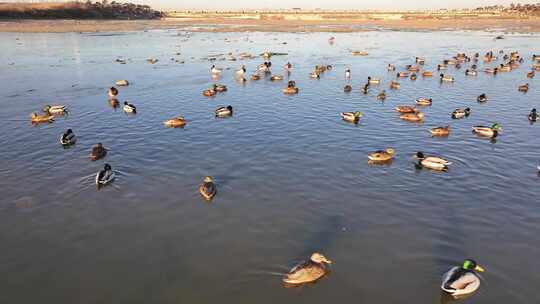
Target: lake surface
292,177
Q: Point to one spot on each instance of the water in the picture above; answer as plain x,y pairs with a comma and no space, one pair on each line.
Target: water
292,177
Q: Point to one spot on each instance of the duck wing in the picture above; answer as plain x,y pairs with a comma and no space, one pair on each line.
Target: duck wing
437,160
305,272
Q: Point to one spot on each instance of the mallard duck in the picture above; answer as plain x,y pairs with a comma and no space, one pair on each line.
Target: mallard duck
482,98
446,78
382,155
402,74
460,113
395,85
530,74
209,92
39,118
533,116
360,53
470,72
491,70
381,95
241,71
420,60
351,116
440,131
290,90
491,132
113,92
411,68
220,88
315,75
365,89
255,77
505,68
373,80
68,138
152,60
441,67
288,67
427,74
55,110
424,101
461,281
413,117
406,109
276,77
348,73
391,67
224,111
523,88
98,151
215,70
347,88
432,162
105,176
179,121
413,76
114,102
122,83
208,189
129,108
307,272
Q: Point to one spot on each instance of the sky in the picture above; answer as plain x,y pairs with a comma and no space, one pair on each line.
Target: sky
324,4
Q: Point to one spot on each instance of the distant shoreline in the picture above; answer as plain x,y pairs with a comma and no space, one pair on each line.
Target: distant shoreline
224,24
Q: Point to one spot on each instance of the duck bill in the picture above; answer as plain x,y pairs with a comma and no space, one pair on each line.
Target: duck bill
328,261
479,268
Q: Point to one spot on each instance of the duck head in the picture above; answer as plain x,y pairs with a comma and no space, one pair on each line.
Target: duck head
357,114
69,131
471,265
319,259
208,179
496,127
107,167
419,155
390,151
229,108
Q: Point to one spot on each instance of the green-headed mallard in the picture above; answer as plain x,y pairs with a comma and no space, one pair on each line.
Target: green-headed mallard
470,72
432,162
446,78
208,189
307,272
373,80
424,101
68,138
533,116
129,108
55,110
105,176
482,98
214,70
220,88
382,155
351,116
224,111
460,113
462,280
492,131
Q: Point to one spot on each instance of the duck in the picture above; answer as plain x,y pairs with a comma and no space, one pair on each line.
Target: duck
440,131
391,67
347,88
406,109
365,89
179,121
220,88
462,280
413,76
530,74
424,101
413,117
381,95
432,162
39,118
288,67
291,88
533,116
98,152
411,68
395,85
491,132
215,70
224,111
113,92
441,67
68,138
276,77
470,72
382,155
152,60
255,77
55,110
523,88
309,271
402,74
351,116
114,102
348,73
491,70
129,108
373,80
208,189
482,98
446,78
427,74
241,71
420,60
122,83
105,176
460,113
315,75
209,92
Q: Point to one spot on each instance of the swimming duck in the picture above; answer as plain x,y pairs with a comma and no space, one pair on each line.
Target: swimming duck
440,131
413,76
427,74
424,101
241,71
523,88
39,118
113,92
98,151
441,67
365,89
533,116
55,110
276,77
413,117
351,116
461,281
114,102
382,155
402,74
209,92
347,88
381,95
394,85
288,67
291,88
224,111
460,113
447,78
122,83
491,132
420,60
208,189
309,271
530,74
432,162
220,88
470,72
315,75
373,80
360,53
105,176
255,77
406,109
179,121
152,60
391,67
482,98
215,70
491,70
348,73
68,138
129,108
411,68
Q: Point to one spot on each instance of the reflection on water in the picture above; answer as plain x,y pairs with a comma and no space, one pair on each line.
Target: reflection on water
292,177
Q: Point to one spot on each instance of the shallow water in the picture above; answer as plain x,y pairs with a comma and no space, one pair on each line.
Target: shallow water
292,177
